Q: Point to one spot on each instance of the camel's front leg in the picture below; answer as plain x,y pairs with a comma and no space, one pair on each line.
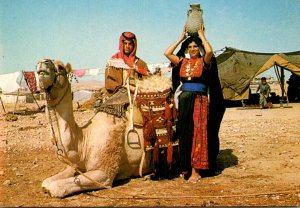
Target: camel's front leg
64,187
68,172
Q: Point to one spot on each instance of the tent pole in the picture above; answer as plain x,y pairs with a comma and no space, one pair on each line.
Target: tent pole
282,82
2,105
279,79
18,92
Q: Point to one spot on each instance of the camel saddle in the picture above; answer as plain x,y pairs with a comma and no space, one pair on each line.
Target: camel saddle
117,105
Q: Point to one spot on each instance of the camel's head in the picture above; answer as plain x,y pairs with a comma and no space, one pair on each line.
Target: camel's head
52,74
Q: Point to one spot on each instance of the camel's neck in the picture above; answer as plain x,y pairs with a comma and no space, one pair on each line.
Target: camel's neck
64,106
65,129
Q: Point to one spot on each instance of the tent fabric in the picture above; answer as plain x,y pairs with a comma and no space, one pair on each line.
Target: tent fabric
8,82
280,60
237,68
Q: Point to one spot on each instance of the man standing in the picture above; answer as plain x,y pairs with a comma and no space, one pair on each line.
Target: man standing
264,91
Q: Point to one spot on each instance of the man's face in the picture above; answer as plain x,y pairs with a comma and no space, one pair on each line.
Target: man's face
263,82
128,47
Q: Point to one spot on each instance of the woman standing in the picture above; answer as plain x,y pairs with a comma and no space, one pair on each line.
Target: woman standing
197,74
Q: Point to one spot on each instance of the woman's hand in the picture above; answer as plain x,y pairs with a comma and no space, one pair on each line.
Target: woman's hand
184,34
201,31
207,47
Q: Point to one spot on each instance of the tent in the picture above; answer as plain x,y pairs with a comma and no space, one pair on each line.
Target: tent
237,68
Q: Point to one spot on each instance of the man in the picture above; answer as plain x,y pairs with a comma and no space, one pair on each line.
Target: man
264,91
124,64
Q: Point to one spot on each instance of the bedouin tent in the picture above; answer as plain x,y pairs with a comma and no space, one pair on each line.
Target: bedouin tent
237,69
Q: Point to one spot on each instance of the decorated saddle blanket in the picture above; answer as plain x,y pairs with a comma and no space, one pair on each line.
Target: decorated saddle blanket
156,105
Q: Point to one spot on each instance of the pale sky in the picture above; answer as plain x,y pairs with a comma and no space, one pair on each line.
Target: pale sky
86,33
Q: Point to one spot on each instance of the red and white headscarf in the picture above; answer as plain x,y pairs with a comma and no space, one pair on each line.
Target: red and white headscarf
131,59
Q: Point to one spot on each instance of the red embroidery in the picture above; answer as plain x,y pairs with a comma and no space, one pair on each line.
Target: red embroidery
200,149
31,81
197,71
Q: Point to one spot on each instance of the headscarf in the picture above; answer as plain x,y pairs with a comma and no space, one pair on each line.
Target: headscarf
131,59
184,46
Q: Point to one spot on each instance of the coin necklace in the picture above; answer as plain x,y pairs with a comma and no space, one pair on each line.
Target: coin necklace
190,71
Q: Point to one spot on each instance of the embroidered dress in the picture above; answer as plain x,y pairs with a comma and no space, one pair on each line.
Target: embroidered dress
216,109
193,115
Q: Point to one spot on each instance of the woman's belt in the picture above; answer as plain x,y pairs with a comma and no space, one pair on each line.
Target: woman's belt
194,87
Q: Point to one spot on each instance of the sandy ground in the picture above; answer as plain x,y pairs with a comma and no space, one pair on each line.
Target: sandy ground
259,159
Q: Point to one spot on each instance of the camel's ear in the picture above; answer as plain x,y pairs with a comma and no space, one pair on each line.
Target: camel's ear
68,68
59,65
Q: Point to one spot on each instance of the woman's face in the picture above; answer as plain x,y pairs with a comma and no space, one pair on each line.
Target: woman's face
193,49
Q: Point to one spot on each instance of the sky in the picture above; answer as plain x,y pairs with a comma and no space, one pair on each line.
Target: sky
86,33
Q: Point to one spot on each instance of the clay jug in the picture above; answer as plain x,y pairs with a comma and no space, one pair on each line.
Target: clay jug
194,19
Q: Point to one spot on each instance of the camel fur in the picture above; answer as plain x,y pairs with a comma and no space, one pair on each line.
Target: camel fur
98,149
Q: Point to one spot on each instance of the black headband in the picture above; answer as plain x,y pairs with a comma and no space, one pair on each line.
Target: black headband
129,38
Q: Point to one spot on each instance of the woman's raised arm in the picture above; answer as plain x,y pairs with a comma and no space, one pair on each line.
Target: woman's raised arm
207,47
169,52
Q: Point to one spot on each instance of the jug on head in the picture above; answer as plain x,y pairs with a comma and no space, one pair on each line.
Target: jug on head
194,19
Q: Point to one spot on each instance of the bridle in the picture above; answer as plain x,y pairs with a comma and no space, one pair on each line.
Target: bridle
58,71
61,152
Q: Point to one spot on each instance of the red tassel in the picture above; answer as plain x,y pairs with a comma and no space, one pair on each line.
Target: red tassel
169,130
168,113
170,154
156,153
149,131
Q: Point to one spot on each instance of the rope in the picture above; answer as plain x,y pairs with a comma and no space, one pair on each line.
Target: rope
222,49
201,196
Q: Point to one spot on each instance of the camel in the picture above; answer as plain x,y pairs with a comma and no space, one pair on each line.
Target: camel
97,152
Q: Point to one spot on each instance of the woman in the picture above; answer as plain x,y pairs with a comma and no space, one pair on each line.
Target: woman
195,128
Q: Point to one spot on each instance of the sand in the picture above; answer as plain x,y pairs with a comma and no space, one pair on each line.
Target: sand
259,162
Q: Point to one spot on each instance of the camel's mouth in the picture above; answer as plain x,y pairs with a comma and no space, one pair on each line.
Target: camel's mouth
43,72
46,79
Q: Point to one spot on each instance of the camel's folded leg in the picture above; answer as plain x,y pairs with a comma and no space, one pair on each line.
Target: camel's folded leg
65,187
67,173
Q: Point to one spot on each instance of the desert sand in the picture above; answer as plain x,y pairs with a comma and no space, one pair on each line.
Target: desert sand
259,165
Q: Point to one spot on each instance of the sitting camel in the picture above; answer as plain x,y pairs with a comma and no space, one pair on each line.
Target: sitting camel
97,153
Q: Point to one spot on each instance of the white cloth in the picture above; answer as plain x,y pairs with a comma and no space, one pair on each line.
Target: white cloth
177,94
118,63
37,81
8,82
93,72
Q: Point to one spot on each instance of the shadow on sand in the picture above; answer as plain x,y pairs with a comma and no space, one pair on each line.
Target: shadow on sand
226,159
